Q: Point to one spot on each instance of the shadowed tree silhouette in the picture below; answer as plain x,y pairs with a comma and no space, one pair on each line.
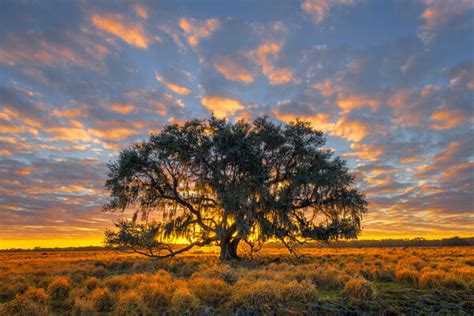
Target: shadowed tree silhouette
213,182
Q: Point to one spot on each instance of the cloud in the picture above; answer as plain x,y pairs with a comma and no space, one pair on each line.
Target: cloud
115,24
365,152
140,10
37,49
455,153
319,121
122,108
352,102
319,9
352,130
461,76
196,30
222,107
231,70
265,56
448,119
438,13
173,86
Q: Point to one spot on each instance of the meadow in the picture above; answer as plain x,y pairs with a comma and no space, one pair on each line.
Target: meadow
374,281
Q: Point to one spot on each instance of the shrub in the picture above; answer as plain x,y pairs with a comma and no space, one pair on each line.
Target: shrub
360,289
130,303
407,276
58,290
212,292
31,303
102,300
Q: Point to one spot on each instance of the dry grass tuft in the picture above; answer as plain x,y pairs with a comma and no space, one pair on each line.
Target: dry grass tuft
407,276
211,292
183,301
130,303
156,296
102,300
33,302
58,289
432,279
91,283
359,289
117,283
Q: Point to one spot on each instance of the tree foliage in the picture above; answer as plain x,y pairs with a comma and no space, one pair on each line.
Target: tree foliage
213,182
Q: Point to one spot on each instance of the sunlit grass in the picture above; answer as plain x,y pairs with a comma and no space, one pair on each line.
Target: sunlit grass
376,280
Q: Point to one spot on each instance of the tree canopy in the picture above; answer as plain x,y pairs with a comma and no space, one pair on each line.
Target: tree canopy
214,182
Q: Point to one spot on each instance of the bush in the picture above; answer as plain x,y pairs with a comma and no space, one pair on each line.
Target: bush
58,290
359,289
130,303
102,300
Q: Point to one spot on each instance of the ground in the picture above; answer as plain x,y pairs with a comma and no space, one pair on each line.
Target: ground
378,281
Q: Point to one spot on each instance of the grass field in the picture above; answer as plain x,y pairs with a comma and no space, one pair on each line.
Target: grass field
378,281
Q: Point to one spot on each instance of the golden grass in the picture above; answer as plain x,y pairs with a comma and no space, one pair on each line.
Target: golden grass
359,289
91,283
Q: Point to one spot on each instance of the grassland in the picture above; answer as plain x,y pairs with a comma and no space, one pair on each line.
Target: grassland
378,281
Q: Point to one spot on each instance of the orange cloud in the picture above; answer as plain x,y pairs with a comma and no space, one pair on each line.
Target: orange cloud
367,152
112,133
352,130
233,71
265,56
68,134
196,30
353,102
411,159
320,121
173,87
326,88
440,161
122,108
39,50
439,13
319,9
68,113
140,10
448,119
222,107
129,33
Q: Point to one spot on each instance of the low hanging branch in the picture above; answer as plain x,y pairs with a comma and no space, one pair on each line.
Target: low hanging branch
211,182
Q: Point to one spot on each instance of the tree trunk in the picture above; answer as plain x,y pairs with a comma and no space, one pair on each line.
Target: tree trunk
229,249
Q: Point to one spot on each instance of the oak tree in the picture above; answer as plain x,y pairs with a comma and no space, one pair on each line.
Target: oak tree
214,182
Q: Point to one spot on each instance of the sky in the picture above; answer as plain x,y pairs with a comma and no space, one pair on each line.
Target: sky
390,82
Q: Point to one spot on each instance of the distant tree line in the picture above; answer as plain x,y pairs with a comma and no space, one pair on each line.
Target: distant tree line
415,242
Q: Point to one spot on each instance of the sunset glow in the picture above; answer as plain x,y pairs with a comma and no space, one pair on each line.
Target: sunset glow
391,83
